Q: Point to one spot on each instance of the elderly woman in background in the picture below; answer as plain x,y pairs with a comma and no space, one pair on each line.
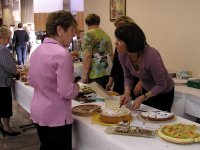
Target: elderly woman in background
8,69
96,47
51,74
143,61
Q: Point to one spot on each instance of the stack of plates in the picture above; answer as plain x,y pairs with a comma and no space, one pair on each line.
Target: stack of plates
180,81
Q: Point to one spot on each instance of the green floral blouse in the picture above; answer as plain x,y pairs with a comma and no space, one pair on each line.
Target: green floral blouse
99,43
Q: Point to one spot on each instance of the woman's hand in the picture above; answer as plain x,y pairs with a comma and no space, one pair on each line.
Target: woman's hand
84,79
109,84
137,102
137,88
17,66
77,86
124,99
18,69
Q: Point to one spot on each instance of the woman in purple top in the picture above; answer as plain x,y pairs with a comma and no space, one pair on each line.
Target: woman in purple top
143,61
51,74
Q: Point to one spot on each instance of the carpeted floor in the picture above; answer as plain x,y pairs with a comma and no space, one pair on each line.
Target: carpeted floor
28,140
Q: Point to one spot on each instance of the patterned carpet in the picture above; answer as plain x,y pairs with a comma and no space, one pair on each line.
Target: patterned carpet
28,140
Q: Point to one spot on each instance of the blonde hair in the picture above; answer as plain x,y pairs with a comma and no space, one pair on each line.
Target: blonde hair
4,32
123,20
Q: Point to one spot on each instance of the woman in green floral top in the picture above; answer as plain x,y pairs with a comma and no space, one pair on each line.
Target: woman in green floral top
96,48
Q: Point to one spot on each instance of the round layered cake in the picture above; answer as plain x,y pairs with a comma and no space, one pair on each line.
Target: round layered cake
115,115
157,115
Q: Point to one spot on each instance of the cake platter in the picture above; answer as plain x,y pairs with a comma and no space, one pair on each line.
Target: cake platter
85,89
149,117
132,131
180,133
115,115
96,119
86,110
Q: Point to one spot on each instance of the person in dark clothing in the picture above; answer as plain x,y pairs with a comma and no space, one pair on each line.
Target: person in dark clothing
20,38
117,74
43,37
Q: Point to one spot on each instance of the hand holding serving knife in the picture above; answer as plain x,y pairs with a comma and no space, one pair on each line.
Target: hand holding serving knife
126,100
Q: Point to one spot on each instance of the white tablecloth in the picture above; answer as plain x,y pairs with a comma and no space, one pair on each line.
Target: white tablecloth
88,136
186,101
78,69
23,95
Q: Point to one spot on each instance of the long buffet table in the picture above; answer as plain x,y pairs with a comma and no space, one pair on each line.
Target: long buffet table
90,136
186,102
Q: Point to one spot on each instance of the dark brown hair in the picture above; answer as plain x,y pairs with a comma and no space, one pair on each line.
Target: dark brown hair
19,25
133,36
59,18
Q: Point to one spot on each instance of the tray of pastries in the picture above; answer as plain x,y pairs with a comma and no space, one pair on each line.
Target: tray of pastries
86,98
86,110
124,128
85,89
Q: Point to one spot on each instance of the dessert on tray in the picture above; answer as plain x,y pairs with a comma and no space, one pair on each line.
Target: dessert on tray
115,115
157,115
124,128
112,93
86,110
180,133
84,98
85,89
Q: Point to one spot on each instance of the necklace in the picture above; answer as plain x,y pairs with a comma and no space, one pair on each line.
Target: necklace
135,60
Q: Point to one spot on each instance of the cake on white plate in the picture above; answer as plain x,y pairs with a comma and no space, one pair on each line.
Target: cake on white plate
157,115
115,115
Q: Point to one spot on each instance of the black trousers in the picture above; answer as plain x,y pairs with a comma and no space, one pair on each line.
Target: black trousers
5,102
161,101
55,138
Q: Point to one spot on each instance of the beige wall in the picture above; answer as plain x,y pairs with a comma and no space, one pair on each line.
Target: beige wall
171,26
11,12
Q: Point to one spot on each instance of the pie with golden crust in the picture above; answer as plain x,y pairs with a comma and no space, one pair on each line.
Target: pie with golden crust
180,133
86,110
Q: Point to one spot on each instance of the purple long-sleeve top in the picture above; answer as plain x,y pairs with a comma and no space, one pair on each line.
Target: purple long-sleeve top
152,71
51,74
